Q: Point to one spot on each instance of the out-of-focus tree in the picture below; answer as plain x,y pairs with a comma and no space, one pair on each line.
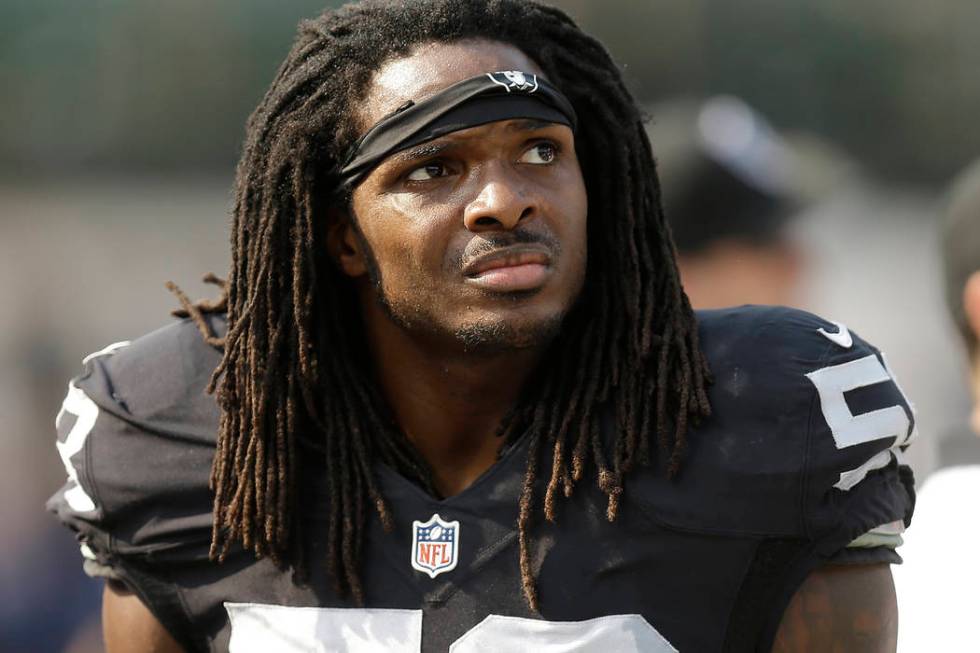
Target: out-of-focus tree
893,80
113,85
135,85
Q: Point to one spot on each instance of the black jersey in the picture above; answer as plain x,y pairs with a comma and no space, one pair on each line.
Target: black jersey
799,464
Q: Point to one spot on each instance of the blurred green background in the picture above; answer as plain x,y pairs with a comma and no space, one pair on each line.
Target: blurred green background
135,85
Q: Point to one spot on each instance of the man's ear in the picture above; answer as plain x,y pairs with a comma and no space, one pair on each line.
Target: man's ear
971,302
343,243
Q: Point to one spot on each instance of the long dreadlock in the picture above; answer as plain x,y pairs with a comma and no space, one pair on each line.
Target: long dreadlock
291,375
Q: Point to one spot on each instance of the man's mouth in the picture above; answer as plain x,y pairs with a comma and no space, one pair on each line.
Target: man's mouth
514,268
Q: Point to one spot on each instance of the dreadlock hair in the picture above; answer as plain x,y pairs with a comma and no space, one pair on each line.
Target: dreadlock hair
292,376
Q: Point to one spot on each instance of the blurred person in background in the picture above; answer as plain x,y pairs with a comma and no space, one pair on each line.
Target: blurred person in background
789,218
937,589
961,267
729,197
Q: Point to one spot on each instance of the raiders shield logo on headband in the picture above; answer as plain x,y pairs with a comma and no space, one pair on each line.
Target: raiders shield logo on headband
515,80
502,95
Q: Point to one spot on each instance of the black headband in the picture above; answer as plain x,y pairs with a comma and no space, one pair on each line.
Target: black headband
476,101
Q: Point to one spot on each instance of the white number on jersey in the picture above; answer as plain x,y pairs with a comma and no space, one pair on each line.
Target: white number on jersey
259,628
86,412
849,429
623,633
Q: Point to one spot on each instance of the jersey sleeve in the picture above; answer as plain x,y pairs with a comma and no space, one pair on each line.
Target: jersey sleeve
803,453
859,491
804,443
136,437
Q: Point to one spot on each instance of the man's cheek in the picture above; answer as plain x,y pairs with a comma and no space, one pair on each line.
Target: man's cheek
576,259
409,270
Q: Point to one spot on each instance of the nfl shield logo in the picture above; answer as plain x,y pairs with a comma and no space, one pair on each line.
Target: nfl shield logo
435,545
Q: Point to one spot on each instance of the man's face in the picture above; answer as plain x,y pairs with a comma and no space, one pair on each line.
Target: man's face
475,238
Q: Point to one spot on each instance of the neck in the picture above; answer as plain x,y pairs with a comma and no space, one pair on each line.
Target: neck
449,403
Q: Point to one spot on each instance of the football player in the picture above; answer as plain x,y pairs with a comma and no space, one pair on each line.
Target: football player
458,398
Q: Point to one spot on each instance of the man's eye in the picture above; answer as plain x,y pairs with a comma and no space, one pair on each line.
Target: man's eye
540,154
427,172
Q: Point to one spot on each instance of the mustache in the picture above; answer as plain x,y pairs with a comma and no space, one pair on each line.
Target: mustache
490,243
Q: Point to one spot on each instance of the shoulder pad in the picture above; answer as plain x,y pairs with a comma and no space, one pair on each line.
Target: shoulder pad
158,381
805,437
136,434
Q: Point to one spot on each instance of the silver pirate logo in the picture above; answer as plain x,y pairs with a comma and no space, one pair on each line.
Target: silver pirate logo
515,80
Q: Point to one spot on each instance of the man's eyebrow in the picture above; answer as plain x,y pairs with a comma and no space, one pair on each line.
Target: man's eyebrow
423,151
431,149
530,124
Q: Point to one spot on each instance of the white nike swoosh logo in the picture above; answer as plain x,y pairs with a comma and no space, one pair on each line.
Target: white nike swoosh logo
842,337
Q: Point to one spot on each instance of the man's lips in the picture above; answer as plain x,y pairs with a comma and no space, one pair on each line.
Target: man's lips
513,268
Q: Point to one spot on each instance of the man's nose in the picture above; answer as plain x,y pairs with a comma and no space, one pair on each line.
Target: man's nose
502,203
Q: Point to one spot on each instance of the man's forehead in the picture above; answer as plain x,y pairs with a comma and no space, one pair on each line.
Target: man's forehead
431,67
